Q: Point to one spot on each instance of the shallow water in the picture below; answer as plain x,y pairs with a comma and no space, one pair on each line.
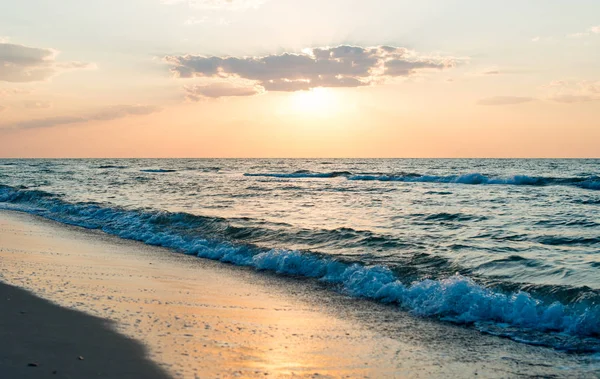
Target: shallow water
510,247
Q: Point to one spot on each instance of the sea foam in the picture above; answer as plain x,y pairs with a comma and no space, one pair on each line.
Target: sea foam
455,298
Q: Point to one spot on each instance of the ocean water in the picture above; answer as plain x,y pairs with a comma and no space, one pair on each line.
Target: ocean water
509,247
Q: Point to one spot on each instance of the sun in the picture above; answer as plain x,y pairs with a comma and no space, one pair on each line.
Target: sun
315,102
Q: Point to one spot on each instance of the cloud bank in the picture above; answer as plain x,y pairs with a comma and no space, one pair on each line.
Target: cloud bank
341,66
20,64
106,114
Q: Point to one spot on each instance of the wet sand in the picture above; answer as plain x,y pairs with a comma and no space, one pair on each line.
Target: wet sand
43,340
132,310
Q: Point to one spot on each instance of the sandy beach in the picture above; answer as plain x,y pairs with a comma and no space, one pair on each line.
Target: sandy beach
78,303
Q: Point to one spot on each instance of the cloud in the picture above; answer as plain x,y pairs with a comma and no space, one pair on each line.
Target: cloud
196,21
37,104
341,66
569,92
497,71
220,5
110,113
570,99
2,108
206,21
504,100
216,90
14,91
20,64
590,31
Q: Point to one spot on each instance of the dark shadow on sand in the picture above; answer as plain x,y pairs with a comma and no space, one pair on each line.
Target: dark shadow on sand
39,339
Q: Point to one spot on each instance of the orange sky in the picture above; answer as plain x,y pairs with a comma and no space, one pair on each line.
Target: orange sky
248,79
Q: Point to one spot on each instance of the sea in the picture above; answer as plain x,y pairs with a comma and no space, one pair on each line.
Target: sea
509,247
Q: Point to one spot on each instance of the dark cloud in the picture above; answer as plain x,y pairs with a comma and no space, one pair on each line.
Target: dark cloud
504,100
20,63
341,66
215,90
110,113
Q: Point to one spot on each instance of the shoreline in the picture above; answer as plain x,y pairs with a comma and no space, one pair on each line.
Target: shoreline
48,341
207,319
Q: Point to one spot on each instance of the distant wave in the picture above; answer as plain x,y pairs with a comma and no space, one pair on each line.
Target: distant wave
303,174
452,217
590,182
459,299
158,170
204,169
112,167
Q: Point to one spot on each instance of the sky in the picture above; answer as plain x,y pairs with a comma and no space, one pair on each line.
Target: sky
289,78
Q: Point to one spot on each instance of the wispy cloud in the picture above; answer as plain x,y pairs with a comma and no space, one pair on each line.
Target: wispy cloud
207,21
14,91
219,5
106,114
37,104
20,63
496,71
571,99
216,90
590,31
341,66
570,92
505,100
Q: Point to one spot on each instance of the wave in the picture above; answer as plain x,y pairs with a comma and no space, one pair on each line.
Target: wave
204,169
302,174
444,216
160,170
567,241
589,182
592,182
459,299
109,166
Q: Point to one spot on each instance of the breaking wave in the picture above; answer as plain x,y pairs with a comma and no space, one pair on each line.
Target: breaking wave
588,182
519,315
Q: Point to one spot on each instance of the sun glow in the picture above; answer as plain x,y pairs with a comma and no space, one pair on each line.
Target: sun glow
315,102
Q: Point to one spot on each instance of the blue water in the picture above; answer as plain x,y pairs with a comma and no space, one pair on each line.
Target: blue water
509,247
